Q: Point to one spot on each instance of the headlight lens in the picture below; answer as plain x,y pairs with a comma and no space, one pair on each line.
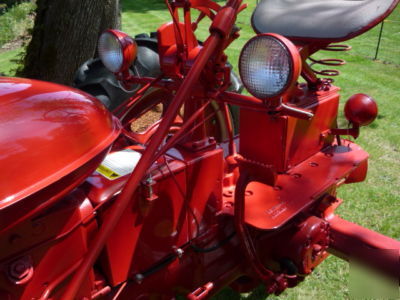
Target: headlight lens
116,50
110,52
266,65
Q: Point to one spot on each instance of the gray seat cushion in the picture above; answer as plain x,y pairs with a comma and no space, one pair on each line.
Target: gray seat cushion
320,19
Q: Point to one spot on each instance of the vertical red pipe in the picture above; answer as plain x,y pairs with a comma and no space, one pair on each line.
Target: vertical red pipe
229,128
126,195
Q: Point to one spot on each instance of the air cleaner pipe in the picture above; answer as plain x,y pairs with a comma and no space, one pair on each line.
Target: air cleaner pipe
125,197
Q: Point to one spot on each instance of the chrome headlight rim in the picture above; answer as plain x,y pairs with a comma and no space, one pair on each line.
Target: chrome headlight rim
293,61
124,47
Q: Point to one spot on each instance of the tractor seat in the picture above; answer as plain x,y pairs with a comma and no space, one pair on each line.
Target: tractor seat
332,20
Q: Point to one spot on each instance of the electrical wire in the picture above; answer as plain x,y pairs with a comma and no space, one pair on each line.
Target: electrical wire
214,247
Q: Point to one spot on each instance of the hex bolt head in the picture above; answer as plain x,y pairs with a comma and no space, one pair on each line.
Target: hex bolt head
139,278
20,271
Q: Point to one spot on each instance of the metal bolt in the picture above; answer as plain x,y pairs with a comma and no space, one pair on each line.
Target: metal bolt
149,191
139,278
179,252
20,270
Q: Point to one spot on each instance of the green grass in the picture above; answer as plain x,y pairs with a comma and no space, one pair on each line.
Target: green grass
389,50
7,61
374,203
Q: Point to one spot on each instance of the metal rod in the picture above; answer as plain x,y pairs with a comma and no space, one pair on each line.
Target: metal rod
182,132
379,41
242,100
126,195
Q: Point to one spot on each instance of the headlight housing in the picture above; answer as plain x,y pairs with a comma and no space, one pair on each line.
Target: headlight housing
269,65
117,50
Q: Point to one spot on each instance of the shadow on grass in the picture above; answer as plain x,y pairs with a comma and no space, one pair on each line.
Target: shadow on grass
142,5
146,5
227,293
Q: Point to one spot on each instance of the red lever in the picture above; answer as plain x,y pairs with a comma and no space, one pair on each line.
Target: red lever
201,292
296,112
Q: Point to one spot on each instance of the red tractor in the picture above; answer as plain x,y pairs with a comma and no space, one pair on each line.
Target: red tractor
94,207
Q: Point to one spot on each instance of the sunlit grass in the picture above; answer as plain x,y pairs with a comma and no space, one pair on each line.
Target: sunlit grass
7,62
374,203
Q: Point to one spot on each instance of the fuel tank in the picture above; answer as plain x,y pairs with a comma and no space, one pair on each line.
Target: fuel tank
48,132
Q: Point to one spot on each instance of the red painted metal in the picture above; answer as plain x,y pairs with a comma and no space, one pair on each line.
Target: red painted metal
327,167
202,208
41,243
47,132
307,246
353,242
123,200
171,62
361,110
284,141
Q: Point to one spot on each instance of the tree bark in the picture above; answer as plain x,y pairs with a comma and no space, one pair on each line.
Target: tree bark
65,35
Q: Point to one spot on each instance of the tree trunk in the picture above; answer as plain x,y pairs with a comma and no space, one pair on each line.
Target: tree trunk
65,35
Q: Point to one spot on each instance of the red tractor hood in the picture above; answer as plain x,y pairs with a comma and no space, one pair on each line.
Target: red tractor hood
47,131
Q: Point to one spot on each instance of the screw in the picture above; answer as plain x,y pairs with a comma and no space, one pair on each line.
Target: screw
139,278
20,270
179,252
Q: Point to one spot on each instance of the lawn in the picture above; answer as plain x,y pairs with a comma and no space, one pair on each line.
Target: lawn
7,61
374,203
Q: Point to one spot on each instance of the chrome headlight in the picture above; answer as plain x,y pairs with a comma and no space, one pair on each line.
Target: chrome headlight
117,50
269,64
